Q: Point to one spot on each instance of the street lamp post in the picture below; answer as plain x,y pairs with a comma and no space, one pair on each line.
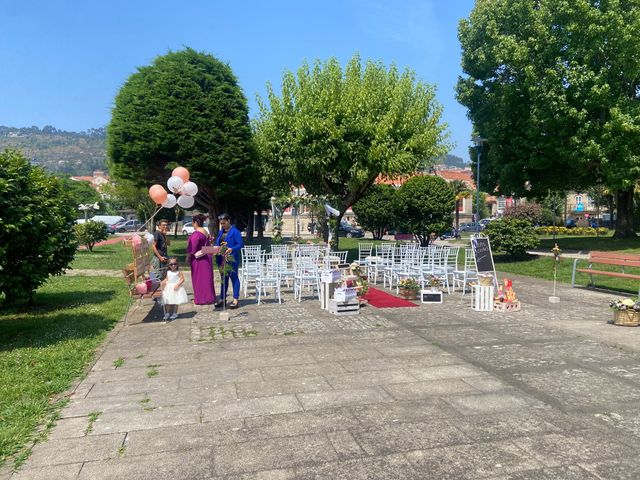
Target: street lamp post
478,142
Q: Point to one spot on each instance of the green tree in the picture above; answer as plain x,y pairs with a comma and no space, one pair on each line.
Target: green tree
89,233
554,85
336,131
186,109
80,193
375,209
424,205
461,191
512,236
36,228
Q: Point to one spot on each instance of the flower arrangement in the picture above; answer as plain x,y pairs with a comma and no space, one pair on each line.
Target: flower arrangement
360,282
434,282
227,259
626,304
409,284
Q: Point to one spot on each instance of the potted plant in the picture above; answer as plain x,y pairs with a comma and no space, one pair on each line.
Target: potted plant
409,288
626,312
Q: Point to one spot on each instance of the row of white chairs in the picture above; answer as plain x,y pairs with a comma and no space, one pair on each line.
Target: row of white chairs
300,266
394,263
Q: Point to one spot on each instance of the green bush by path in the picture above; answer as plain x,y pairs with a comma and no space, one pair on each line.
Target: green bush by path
45,348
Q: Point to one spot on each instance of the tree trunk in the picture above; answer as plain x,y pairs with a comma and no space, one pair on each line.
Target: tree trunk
624,217
250,225
457,215
260,225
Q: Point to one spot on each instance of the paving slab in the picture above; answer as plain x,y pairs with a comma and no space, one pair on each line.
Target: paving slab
291,392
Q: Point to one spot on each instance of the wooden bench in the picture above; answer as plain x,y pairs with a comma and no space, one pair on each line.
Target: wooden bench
608,258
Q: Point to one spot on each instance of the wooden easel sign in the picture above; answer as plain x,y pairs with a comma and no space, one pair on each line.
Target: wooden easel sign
484,257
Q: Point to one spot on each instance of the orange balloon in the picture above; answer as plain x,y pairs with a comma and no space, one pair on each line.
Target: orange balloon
181,172
158,194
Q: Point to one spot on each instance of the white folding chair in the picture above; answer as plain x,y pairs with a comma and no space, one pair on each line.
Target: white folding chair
469,272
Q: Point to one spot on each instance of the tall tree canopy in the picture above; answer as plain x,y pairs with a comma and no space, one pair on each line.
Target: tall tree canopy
186,109
554,85
335,131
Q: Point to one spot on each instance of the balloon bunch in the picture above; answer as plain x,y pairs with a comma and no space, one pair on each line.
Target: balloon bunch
179,184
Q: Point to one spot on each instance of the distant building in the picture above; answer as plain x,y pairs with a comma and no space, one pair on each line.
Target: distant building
98,180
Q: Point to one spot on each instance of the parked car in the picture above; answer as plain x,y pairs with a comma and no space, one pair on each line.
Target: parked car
128,226
449,234
485,221
346,230
474,227
570,223
187,228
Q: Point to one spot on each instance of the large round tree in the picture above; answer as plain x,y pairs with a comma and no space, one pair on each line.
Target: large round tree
424,205
36,228
186,109
554,86
335,131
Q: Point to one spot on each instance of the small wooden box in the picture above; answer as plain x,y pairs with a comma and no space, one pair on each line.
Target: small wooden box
507,306
351,307
430,296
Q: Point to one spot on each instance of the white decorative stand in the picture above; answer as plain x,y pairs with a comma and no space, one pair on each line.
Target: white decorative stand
482,298
430,296
328,281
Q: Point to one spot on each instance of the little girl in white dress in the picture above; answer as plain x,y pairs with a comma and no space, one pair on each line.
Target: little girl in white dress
173,293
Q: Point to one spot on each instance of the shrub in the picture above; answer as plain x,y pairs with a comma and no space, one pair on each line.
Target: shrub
577,231
512,236
530,211
36,234
89,233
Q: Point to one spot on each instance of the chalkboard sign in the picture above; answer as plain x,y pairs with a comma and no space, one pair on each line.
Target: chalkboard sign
483,255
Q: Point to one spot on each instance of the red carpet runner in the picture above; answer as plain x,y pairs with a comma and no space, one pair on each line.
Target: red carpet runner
380,299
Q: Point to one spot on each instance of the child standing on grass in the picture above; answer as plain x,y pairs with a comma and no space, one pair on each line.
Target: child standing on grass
173,293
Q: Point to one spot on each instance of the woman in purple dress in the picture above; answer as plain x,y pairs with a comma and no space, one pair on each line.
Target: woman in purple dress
204,292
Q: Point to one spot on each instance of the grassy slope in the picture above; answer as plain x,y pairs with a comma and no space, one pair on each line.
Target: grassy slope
46,347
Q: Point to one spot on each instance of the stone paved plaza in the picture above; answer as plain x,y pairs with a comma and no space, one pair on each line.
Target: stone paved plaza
291,392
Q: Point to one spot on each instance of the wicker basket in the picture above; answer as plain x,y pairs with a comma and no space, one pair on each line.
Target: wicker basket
626,318
485,279
408,294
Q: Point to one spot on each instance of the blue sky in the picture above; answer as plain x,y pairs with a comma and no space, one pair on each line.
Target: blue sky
64,61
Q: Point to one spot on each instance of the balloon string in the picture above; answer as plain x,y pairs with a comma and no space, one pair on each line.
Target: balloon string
144,227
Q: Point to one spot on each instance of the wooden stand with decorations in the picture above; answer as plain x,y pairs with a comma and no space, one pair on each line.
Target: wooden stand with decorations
137,274
506,300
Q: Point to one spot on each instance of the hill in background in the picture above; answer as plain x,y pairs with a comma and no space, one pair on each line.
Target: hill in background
453,161
58,151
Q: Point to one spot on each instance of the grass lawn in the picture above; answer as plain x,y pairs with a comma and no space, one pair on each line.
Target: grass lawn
542,267
44,348
631,245
116,256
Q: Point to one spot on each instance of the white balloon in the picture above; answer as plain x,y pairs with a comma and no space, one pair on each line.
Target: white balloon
170,202
175,184
149,237
185,201
189,188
